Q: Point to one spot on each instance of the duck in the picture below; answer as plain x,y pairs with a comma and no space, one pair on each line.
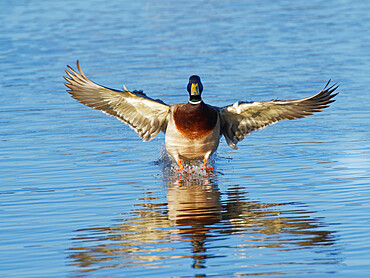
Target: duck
192,130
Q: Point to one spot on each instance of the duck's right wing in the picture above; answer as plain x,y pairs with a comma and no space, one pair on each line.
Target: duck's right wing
240,119
143,114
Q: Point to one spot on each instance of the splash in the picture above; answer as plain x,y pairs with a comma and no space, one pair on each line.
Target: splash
194,171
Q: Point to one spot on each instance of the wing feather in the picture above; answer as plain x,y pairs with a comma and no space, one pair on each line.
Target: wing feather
241,118
143,114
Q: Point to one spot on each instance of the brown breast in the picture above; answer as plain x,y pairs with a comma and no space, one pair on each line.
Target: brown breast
195,120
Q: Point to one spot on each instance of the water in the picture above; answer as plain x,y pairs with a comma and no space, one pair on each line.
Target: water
82,196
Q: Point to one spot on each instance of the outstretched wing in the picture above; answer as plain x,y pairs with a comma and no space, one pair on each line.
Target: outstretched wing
143,114
241,118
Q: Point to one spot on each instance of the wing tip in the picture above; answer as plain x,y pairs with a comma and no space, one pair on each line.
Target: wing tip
330,89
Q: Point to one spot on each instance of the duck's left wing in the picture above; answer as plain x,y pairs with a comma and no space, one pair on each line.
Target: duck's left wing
143,114
241,118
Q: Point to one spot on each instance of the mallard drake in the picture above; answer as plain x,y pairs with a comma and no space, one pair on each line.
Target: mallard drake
192,130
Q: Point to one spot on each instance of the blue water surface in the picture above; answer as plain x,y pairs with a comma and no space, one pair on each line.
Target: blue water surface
82,196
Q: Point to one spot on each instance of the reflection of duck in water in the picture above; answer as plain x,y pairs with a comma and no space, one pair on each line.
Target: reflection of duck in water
191,203
193,129
194,205
155,232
